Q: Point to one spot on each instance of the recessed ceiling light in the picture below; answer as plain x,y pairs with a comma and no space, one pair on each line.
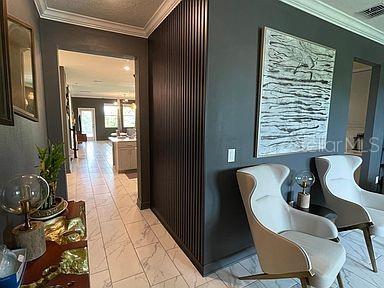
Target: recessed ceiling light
126,68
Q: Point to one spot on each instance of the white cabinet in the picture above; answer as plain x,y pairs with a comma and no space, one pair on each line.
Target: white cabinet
124,154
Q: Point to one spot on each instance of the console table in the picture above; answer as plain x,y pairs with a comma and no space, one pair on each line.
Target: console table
51,257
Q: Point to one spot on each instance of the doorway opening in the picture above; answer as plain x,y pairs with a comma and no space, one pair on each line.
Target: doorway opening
87,125
99,99
358,106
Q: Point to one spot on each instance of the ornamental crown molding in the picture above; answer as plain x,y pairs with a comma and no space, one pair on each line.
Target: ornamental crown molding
337,17
313,7
161,13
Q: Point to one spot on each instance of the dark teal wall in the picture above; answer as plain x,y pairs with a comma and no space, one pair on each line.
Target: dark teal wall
17,143
102,133
231,95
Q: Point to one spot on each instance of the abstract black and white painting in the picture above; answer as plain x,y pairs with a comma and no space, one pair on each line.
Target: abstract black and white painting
295,94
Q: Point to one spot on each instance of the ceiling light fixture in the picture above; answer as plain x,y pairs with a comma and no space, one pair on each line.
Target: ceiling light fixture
126,68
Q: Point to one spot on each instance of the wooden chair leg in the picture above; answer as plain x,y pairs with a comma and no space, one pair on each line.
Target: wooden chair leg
371,252
340,280
251,277
304,282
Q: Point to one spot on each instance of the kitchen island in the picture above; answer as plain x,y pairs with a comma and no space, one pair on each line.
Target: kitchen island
124,153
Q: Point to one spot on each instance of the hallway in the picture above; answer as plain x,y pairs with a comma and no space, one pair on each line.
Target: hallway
129,248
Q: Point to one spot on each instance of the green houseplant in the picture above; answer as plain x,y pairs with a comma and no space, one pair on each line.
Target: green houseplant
51,160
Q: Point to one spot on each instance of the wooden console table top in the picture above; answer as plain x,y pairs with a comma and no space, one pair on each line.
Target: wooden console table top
51,257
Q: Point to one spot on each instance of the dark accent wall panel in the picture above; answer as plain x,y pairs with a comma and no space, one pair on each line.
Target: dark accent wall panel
177,55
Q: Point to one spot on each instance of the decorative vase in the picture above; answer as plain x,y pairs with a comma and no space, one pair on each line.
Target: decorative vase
50,202
59,205
52,207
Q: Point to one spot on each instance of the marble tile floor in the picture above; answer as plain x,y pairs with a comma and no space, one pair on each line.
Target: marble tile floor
129,248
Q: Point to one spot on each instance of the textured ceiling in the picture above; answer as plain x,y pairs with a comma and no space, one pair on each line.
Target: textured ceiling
98,76
353,7
130,12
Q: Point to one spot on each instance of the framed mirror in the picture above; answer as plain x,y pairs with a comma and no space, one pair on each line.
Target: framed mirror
6,112
22,68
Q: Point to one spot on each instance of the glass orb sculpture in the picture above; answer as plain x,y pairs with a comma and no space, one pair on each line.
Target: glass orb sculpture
24,195
305,179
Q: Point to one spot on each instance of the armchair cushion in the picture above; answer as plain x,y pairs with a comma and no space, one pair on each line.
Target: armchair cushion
378,221
341,192
372,200
327,257
312,224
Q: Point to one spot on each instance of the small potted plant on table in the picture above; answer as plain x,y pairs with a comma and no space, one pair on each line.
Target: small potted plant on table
51,161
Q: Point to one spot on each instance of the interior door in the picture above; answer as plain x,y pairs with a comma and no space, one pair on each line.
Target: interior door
88,123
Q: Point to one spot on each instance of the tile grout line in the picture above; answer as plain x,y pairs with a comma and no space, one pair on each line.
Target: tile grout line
125,228
107,179
102,238
126,231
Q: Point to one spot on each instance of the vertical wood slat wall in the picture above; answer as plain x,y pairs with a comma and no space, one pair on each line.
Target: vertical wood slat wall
177,55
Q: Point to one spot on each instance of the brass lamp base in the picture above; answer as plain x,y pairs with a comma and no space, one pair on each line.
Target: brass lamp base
32,239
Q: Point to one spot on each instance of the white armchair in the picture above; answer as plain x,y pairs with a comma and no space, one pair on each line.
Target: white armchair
356,208
289,243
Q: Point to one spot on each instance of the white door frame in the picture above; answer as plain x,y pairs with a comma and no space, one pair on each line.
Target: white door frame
93,120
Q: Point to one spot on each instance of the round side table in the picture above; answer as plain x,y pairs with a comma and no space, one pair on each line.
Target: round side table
321,211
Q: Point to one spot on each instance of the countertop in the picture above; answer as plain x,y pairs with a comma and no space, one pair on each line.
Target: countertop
116,139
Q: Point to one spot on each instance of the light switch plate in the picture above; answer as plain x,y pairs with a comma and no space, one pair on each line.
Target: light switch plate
231,155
